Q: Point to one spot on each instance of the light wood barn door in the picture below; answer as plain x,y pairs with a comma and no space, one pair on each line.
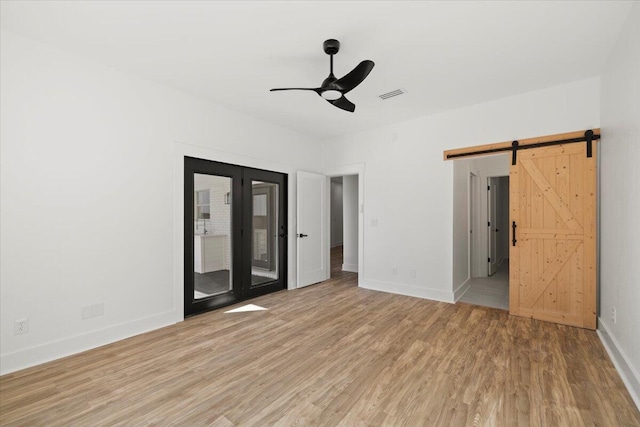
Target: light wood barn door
553,263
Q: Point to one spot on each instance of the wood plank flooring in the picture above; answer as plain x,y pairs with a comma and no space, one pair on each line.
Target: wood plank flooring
332,354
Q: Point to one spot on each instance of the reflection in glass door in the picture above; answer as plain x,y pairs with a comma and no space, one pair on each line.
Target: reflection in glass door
264,245
235,234
212,243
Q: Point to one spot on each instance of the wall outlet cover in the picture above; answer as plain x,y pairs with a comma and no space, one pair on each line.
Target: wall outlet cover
97,310
86,313
21,326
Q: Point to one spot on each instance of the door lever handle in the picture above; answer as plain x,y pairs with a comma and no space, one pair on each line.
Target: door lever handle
302,235
283,235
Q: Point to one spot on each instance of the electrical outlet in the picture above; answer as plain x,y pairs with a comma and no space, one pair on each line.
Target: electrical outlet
97,310
85,312
412,273
21,326
89,311
613,315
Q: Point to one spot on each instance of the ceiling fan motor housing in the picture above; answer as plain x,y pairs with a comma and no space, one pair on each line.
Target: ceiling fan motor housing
331,46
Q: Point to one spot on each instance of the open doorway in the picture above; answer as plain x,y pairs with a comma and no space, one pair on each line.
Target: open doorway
344,225
490,285
480,228
498,223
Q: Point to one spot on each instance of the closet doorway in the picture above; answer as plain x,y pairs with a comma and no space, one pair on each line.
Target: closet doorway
235,237
552,225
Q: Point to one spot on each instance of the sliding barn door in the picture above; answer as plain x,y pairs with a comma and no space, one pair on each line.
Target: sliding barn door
553,247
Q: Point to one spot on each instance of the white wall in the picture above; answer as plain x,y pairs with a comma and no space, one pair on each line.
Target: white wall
620,203
462,225
350,223
91,201
408,216
336,212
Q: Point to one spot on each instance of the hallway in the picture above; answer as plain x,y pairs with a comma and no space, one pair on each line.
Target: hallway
492,291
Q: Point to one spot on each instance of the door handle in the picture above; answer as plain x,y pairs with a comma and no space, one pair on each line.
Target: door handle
302,235
283,235
513,237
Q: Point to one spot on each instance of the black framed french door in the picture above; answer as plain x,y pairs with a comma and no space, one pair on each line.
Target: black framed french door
235,237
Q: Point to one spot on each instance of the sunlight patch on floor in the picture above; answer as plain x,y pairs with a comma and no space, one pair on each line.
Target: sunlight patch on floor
245,308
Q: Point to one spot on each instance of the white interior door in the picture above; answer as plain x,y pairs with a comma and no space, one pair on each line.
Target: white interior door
312,233
492,224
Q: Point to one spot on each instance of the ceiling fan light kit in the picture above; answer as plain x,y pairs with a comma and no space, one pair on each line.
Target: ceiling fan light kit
334,89
331,94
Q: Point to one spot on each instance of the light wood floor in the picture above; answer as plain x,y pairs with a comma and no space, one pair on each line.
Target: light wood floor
332,354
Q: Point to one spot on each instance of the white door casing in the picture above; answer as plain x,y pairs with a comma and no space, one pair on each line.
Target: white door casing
311,233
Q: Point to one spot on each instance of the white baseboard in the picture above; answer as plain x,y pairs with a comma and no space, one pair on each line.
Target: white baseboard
408,290
353,268
621,361
460,290
37,355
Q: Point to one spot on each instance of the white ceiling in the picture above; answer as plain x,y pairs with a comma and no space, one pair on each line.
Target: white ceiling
444,54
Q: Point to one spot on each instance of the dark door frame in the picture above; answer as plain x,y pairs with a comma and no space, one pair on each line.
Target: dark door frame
241,200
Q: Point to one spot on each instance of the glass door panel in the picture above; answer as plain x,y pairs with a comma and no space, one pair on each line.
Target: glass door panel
235,238
212,245
264,233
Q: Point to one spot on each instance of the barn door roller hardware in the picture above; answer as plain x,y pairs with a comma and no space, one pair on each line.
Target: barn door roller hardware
588,137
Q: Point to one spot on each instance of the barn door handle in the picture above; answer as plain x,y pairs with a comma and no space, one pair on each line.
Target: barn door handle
513,227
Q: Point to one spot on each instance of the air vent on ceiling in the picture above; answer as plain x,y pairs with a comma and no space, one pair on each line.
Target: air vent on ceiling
392,94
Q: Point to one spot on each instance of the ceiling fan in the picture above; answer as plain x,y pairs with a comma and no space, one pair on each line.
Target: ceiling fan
334,89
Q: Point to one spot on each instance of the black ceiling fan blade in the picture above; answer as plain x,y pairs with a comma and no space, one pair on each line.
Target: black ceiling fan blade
355,77
344,104
295,88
